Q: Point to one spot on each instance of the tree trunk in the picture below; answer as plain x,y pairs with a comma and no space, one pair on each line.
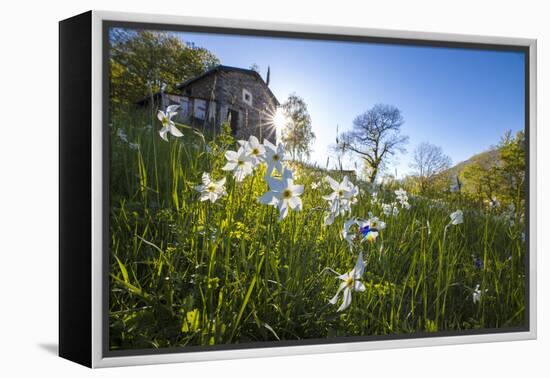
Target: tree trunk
373,174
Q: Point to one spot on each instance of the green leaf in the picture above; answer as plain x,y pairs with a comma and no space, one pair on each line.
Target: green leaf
123,270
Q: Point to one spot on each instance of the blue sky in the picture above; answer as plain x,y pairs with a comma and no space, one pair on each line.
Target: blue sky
461,100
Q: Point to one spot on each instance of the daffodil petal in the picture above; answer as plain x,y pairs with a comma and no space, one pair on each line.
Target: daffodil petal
231,155
295,203
229,166
297,190
347,300
270,145
175,131
358,286
275,184
163,133
333,183
334,299
359,266
268,198
172,108
240,174
329,219
283,210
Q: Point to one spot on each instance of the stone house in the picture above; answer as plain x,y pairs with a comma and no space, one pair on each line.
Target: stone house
223,93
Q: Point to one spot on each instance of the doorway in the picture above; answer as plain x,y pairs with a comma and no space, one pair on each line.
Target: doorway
234,120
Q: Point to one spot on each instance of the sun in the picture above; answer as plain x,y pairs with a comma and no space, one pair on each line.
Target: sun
280,119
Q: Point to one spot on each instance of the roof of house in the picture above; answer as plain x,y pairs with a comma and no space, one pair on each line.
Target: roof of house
220,68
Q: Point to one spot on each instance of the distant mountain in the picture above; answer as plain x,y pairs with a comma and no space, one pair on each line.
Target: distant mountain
485,159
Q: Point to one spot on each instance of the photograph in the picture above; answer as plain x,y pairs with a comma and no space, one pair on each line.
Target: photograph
284,189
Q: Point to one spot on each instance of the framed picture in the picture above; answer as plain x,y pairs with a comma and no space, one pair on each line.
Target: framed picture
236,189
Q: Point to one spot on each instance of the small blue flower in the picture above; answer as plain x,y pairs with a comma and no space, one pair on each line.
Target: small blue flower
365,230
478,263
369,233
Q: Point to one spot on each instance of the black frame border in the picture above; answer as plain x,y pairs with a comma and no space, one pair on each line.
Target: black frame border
75,188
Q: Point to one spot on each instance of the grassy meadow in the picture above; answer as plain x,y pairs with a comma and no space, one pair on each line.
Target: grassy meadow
185,272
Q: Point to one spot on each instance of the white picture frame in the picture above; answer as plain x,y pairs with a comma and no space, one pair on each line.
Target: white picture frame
98,358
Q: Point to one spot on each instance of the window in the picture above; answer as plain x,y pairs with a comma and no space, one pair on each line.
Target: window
199,108
247,97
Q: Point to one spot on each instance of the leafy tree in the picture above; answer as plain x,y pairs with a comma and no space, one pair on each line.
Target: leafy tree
375,137
297,134
512,167
428,162
481,179
500,174
141,62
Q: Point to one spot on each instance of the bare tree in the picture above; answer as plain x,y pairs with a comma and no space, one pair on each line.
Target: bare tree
428,161
375,136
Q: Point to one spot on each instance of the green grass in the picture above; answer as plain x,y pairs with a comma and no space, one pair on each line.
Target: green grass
184,272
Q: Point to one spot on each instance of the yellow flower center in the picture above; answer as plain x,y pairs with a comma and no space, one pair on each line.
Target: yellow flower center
211,188
349,281
371,237
287,193
340,193
165,121
240,162
255,151
275,157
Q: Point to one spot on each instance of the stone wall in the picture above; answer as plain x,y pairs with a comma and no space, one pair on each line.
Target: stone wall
253,116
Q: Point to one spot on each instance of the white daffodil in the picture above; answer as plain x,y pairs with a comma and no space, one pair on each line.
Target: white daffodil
168,126
274,156
354,194
315,185
476,295
375,222
329,217
401,194
370,230
387,209
494,202
211,190
351,283
254,149
240,163
341,199
349,232
283,193
341,190
336,208
457,217
402,198
122,135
